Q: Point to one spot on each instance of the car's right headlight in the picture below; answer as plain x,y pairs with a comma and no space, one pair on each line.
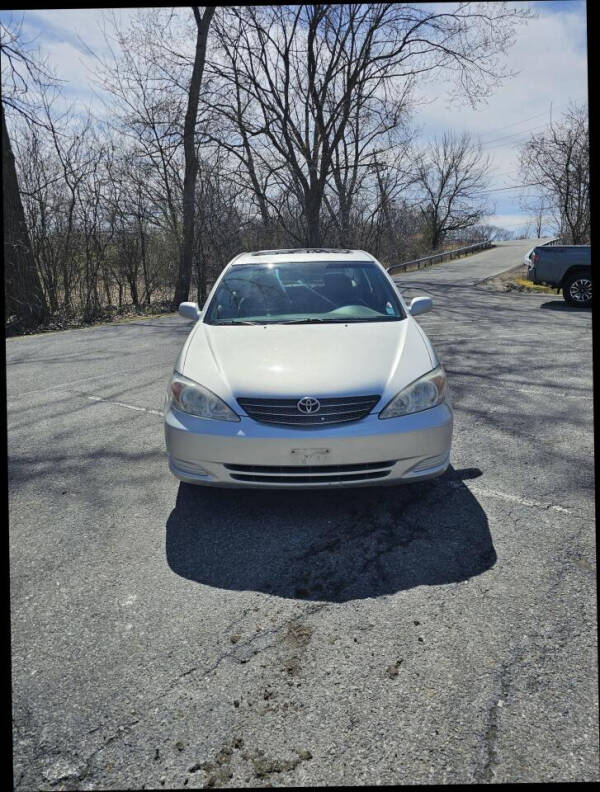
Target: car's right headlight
194,399
422,394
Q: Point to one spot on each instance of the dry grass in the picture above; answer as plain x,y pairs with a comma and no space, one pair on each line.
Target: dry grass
515,280
127,313
527,285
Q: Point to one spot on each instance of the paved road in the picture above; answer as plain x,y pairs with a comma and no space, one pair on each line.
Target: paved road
436,632
470,270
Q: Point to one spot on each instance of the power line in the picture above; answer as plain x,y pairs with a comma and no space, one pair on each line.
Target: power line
513,187
530,195
513,134
516,123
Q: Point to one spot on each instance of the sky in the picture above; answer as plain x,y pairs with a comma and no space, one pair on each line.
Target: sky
549,54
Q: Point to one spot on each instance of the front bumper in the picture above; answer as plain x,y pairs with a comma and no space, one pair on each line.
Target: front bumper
366,452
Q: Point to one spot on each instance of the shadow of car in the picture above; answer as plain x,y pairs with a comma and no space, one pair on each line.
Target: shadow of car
561,305
330,545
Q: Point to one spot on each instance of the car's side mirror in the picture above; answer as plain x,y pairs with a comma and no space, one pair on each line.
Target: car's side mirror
420,305
189,310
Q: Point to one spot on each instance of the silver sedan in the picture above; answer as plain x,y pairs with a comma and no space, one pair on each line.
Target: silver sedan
307,369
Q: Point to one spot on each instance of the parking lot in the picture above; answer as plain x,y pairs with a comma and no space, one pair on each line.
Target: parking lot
441,632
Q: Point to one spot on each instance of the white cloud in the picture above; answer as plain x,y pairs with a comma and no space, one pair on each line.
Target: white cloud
71,41
552,67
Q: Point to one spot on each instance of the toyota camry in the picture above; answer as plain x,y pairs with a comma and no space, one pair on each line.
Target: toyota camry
306,368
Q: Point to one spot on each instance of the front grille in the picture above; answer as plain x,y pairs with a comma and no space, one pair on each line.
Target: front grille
300,469
340,477
310,474
332,410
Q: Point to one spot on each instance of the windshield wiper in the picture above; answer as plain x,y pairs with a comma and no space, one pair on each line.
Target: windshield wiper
244,322
367,319
346,320
314,320
309,320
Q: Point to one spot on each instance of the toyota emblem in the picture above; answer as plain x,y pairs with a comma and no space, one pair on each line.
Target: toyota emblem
308,405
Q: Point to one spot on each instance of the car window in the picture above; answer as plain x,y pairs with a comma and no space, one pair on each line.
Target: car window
295,292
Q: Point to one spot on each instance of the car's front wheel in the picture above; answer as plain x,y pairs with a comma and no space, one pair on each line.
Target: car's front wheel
577,289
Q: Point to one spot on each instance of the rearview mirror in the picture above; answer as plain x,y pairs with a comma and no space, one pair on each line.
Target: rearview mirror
420,305
189,310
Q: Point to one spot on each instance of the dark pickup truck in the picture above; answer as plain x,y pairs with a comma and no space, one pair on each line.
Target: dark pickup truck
567,267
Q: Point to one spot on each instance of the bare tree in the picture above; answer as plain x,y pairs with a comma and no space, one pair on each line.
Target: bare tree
76,162
372,154
184,277
452,176
295,132
24,296
486,232
539,208
302,75
147,110
158,111
559,161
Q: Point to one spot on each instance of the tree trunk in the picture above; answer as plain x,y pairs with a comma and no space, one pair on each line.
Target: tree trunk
345,234
24,297
313,220
106,283
147,284
184,276
134,292
201,287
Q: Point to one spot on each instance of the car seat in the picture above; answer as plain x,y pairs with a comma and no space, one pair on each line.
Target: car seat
338,288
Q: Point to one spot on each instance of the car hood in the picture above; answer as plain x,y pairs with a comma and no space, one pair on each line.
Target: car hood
291,361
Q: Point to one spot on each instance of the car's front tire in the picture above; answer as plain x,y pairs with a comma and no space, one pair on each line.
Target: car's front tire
577,289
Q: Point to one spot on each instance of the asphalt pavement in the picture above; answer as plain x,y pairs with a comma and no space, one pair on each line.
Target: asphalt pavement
442,632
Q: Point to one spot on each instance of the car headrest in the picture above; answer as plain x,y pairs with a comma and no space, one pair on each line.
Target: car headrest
337,283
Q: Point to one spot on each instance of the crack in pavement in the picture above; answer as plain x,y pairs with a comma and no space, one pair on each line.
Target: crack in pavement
490,736
121,730
381,527
293,622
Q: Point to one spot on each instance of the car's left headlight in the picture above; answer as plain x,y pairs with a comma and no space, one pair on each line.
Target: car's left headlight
422,394
190,397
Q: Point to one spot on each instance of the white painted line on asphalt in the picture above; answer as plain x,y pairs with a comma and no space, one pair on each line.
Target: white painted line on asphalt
563,394
121,404
460,339
66,384
516,499
506,386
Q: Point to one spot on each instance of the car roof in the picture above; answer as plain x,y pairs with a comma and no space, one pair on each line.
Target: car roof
302,255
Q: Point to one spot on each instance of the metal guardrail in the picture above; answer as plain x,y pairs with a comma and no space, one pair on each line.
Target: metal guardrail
434,258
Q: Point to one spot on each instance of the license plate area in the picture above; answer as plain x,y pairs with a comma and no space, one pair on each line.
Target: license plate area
310,456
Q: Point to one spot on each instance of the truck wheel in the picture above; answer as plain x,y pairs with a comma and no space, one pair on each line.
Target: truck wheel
577,289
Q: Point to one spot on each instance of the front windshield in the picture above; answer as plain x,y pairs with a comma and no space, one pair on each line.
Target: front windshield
304,292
